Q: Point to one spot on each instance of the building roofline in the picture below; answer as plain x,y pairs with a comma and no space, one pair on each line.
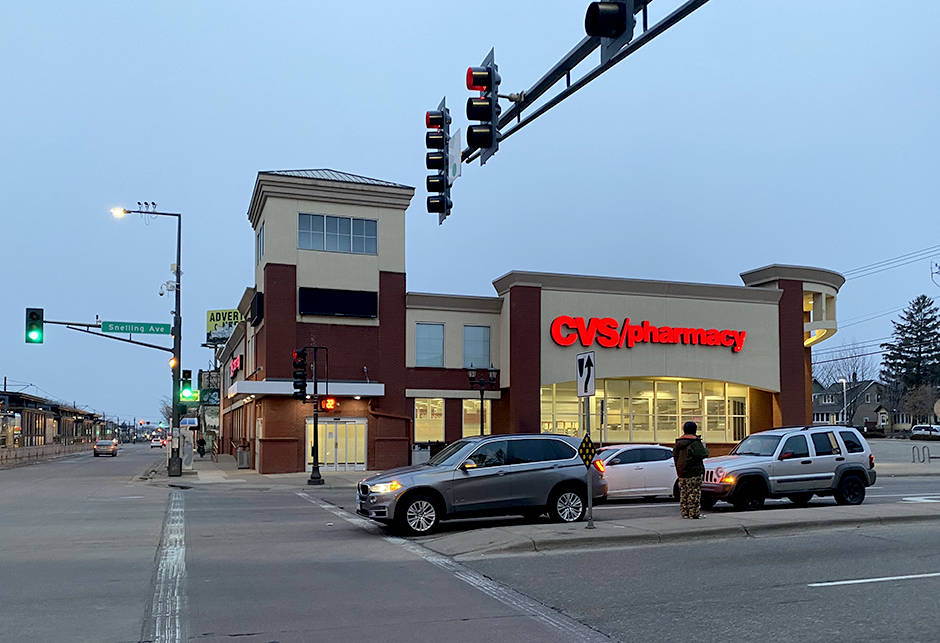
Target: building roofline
624,286
775,272
456,303
277,184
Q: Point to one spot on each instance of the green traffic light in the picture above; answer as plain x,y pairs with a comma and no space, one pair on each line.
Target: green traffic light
186,393
34,335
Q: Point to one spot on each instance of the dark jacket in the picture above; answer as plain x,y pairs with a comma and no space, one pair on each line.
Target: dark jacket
688,454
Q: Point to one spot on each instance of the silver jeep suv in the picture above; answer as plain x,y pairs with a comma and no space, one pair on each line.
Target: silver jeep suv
526,474
792,462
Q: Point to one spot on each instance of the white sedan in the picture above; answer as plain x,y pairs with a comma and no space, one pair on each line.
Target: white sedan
639,470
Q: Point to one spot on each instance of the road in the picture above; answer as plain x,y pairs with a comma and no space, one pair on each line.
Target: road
89,552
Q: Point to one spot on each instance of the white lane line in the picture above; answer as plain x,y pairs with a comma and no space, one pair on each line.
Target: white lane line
164,623
882,579
573,630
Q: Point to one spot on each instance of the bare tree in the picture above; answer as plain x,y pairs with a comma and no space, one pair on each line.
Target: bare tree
919,403
845,363
166,410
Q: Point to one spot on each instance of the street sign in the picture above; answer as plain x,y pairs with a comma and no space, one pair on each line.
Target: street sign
585,364
587,450
143,328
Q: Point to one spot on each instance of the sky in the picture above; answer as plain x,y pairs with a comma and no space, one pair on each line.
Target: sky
749,134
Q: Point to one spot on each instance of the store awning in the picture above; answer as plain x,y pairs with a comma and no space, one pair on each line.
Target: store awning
286,388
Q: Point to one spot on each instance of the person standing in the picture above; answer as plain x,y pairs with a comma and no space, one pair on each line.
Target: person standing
689,455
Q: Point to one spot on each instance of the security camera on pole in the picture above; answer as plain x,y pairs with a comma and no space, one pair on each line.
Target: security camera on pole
586,378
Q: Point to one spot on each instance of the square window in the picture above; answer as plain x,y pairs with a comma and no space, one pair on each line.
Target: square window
429,345
476,346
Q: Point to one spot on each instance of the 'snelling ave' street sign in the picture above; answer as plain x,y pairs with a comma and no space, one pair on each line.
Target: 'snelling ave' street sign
143,328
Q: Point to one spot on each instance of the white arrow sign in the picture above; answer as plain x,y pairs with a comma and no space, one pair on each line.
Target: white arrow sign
586,375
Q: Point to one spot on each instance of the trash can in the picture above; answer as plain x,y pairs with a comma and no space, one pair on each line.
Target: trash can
244,458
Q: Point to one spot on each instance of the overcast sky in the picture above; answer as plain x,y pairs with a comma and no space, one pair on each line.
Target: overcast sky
751,133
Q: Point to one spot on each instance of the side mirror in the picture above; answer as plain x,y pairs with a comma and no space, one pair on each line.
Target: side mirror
468,464
786,455
614,461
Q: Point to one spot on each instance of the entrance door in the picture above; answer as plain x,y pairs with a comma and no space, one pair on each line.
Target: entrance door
341,442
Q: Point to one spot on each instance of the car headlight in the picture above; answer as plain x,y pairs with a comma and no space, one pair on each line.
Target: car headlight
385,487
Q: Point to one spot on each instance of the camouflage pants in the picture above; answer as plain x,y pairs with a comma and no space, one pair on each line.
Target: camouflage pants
690,497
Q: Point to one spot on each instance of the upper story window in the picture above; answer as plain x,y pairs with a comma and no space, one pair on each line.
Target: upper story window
259,244
476,346
429,345
337,234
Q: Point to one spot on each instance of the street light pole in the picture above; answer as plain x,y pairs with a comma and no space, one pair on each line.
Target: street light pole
844,402
150,209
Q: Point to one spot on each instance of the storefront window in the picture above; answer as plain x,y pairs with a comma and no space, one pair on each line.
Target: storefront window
737,411
641,411
429,419
649,410
471,417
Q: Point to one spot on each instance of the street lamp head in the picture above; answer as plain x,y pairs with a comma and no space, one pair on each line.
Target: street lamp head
471,373
118,212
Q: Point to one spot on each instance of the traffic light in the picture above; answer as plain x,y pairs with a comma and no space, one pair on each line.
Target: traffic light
186,386
484,108
438,158
34,325
300,374
613,23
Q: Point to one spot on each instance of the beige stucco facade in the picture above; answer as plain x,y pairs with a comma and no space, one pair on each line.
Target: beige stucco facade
756,365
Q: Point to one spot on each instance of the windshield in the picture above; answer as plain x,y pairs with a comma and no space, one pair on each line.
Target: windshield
448,456
757,445
604,453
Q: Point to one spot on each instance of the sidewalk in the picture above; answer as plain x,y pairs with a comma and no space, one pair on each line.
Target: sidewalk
205,472
545,536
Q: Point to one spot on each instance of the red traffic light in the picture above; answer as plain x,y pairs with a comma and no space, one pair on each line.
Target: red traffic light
434,119
479,79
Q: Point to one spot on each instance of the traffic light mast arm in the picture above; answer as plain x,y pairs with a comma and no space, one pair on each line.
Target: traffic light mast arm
563,69
119,339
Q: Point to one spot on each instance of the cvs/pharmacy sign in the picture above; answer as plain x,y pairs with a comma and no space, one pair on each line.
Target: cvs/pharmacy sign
608,332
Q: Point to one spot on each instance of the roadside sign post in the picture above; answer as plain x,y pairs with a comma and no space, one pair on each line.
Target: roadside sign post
585,379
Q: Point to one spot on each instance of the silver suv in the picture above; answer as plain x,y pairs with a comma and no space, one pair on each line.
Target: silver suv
526,474
792,462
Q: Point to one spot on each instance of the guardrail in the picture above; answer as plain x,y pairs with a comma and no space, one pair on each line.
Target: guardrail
22,455
921,454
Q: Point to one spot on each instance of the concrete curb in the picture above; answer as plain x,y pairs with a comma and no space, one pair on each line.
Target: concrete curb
508,543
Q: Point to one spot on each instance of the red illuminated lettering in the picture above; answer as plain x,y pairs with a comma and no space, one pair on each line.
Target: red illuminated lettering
607,332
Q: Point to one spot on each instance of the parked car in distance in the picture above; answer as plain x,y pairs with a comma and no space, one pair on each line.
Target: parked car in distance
524,474
158,443
796,463
639,470
105,447
926,429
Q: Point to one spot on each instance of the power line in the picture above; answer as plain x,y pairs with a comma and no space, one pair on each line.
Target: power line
889,264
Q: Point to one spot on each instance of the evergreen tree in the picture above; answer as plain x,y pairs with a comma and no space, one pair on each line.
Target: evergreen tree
912,358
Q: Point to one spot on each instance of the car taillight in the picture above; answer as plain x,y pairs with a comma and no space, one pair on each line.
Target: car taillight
599,466
871,460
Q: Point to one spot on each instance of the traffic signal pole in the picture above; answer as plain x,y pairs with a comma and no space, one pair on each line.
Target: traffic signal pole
563,68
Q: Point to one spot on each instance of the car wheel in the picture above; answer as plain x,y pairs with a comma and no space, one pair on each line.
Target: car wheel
567,505
749,498
418,515
800,499
708,501
851,491
676,493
